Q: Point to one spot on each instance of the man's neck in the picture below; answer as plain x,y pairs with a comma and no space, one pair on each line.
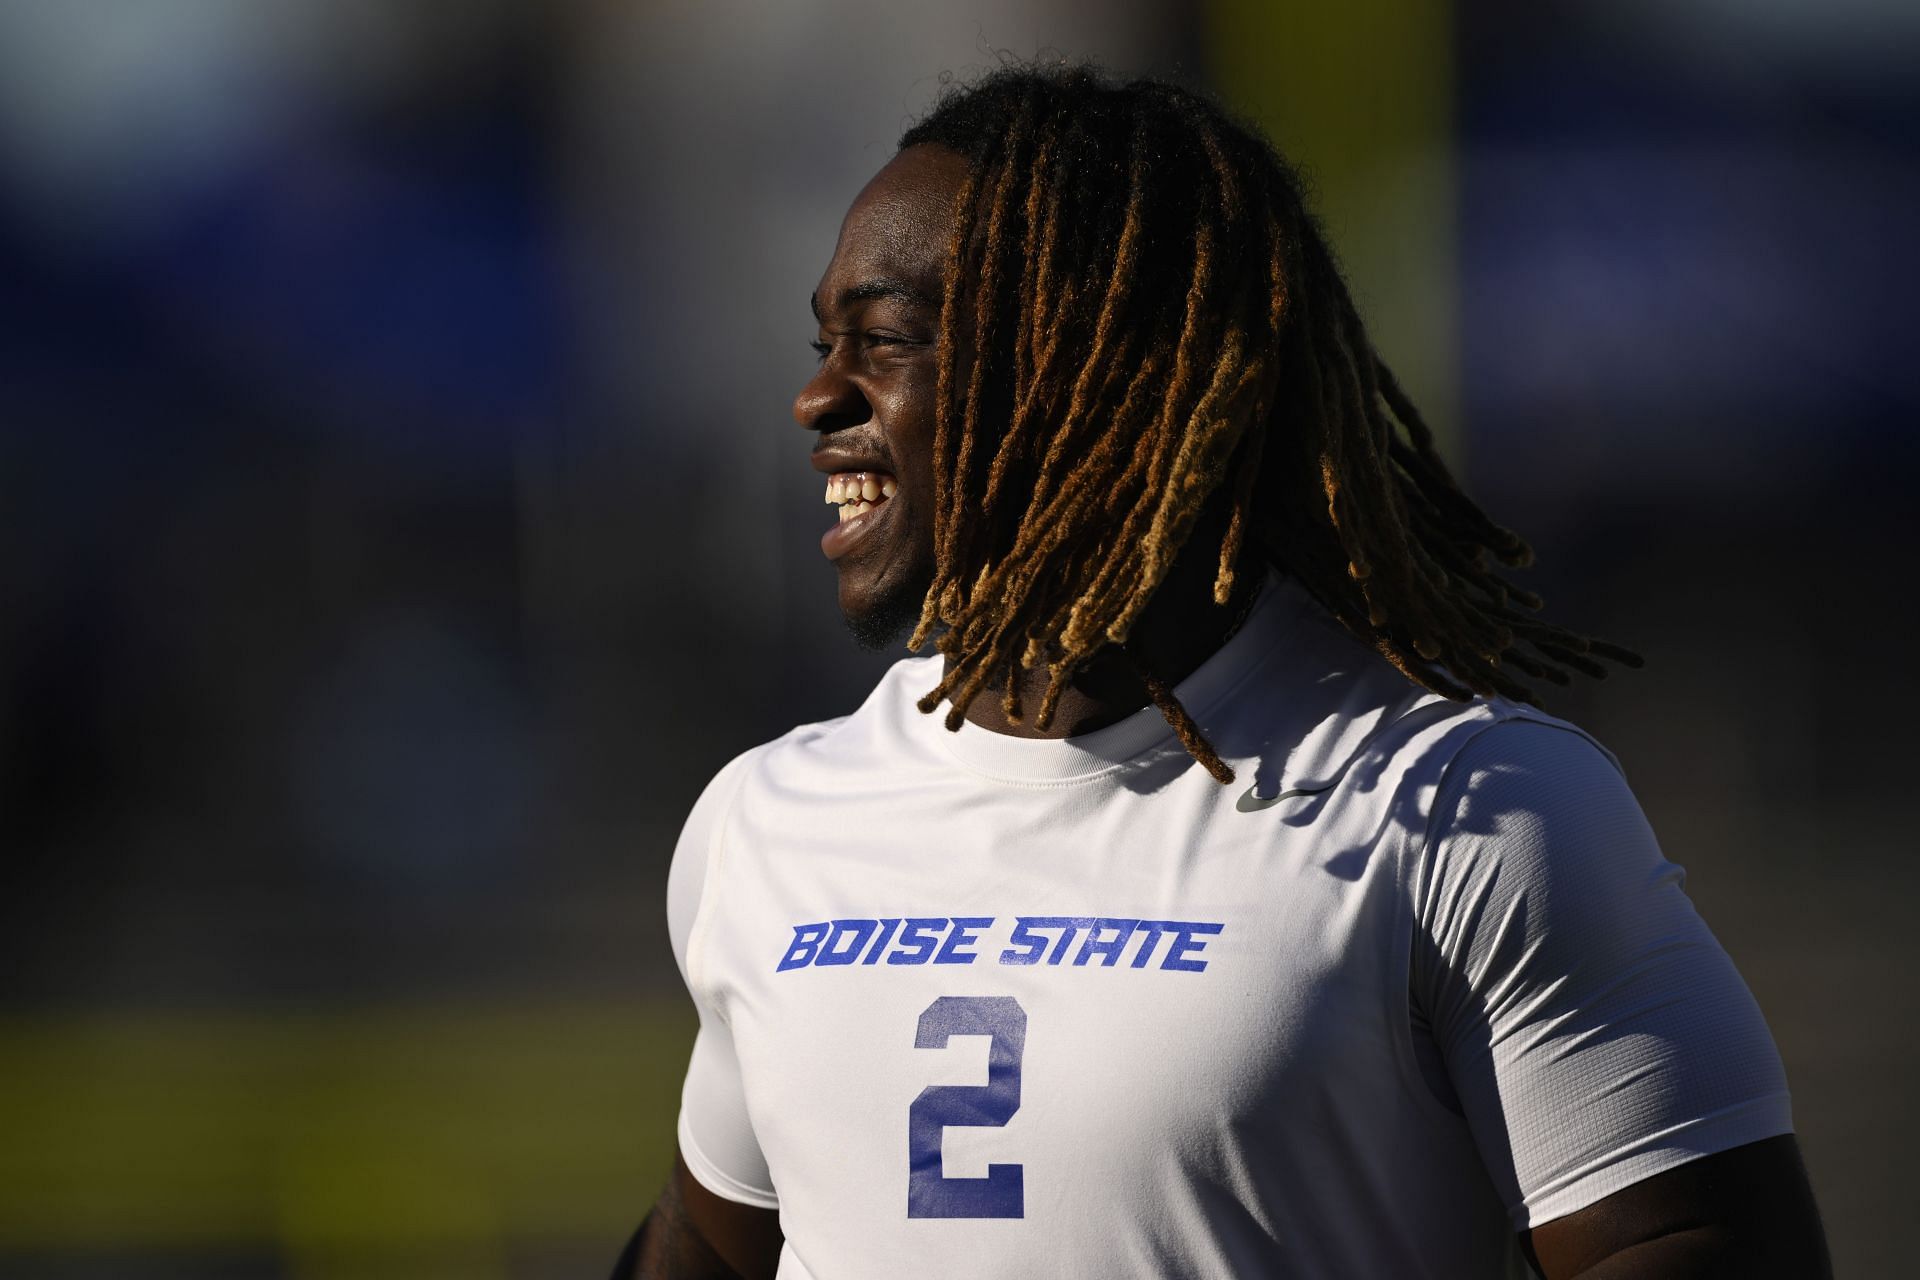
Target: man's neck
1180,628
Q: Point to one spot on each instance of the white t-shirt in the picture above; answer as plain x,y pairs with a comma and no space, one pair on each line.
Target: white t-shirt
982,1006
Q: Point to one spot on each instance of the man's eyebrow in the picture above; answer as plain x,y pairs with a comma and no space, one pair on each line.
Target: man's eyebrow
880,287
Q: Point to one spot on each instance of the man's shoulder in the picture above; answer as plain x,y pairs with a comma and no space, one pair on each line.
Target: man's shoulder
1454,743
1502,736
873,732
1325,704
1322,704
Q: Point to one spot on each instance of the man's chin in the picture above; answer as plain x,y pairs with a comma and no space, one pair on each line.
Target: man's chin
887,619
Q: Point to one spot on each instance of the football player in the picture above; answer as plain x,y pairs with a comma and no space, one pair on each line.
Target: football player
1212,900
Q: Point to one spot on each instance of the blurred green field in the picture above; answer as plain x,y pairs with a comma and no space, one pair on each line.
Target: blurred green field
393,1141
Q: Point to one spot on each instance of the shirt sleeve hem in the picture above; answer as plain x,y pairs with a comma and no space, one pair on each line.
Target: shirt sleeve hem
709,1175
1723,1130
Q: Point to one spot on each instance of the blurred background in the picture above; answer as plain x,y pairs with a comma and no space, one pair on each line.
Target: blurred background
401,518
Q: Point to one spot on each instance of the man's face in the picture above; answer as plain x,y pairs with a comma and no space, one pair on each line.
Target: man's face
871,404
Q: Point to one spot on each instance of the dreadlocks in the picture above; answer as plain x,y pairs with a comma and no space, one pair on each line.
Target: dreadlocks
1141,322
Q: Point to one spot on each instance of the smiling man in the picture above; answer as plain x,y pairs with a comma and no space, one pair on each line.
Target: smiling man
1213,901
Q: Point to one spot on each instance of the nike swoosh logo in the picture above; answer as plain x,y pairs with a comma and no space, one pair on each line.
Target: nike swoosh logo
1251,803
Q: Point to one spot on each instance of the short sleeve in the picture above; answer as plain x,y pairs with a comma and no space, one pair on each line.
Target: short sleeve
715,1132
1593,1031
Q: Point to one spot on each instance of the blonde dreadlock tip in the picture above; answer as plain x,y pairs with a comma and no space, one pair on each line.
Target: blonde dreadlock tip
1223,585
1359,572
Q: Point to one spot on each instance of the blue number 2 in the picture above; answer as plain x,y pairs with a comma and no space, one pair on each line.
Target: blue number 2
1002,1193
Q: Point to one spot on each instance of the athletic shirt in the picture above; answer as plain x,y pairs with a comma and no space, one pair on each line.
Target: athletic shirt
981,1006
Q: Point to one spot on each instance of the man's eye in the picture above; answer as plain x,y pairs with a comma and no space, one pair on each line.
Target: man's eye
867,340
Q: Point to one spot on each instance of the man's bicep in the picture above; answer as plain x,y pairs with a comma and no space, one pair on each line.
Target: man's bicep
1746,1211
692,1234
747,1237
1594,1031
715,1131
721,1182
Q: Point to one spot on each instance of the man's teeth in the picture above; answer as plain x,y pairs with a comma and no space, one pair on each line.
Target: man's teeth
859,492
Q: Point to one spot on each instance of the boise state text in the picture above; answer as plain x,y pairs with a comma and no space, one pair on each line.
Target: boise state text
1032,940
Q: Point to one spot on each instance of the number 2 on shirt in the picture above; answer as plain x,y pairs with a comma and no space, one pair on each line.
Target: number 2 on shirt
1002,1193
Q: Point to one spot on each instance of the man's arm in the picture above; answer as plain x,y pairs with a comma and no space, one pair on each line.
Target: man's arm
1744,1212
693,1234
1595,1035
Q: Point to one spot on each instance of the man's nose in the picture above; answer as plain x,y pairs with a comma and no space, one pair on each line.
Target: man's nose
830,401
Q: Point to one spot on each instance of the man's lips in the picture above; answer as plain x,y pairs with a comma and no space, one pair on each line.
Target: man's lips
862,497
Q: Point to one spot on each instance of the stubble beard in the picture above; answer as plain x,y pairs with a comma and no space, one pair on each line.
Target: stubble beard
890,620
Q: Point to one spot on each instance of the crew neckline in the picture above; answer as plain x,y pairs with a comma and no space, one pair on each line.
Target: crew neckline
1276,608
